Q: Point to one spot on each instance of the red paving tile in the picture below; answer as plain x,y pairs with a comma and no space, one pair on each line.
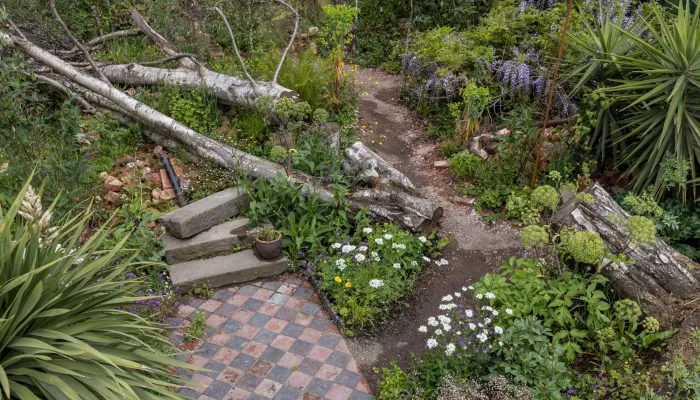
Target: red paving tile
210,305
337,392
254,351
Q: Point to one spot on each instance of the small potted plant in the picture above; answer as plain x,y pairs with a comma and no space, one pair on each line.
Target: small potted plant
268,242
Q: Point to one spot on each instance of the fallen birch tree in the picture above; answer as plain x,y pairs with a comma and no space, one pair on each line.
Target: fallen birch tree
394,198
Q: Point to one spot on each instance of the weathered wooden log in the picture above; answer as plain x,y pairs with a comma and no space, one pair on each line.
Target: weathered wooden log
391,203
374,168
659,277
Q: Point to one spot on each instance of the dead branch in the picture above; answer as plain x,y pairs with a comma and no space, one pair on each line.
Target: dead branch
52,4
163,44
235,46
87,107
291,40
98,20
167,59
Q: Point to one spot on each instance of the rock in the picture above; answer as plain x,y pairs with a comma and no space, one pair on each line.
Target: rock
114,185
222,237
503,132
113,198
140,163
464,200
203,214
155,194
146,171
475,147
158,150
442,164
167,194
164,178
226,270
155,177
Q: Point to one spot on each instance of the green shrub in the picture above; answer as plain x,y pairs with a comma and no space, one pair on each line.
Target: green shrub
448,148
278,154
69,325
320,115
545,197
464,165
368,273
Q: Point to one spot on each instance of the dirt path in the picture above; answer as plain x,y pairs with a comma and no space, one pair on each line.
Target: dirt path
399,136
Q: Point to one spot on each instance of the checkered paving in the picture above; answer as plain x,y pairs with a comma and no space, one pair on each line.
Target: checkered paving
267,340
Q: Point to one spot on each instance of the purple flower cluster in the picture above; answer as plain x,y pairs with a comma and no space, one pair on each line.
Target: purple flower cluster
410,64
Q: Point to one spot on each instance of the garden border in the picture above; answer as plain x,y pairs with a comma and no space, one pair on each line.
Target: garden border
327,304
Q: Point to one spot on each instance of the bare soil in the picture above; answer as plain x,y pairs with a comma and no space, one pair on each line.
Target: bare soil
399,136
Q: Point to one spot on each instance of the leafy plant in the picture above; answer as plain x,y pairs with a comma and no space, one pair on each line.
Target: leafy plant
464,165
197,327
267,234
67,332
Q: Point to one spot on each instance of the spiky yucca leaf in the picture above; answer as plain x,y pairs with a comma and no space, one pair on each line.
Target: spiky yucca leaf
62,334
662,88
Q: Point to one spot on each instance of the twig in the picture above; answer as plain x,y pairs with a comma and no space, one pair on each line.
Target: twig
235,47
51,82
15,27
167,59
291,40
98,19
551,91
52,4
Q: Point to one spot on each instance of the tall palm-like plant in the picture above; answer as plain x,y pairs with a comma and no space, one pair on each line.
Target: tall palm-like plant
662,90
598,47
65,332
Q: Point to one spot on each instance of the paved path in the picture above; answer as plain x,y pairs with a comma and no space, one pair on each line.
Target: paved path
268,340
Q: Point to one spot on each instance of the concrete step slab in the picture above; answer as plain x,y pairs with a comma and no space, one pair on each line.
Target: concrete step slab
217,239
225,270
203,214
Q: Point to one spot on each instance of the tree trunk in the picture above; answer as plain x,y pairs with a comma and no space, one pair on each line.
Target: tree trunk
227,89
377,170
390,204
659,277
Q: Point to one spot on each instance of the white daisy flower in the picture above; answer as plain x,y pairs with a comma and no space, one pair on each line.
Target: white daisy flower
432,321
469,313
498,329
470,287
397,265
423,328
482,337
423,239
500,343
447,306
438,331
495,313
472,326
336,245
509,311
374,254
379,241
450,349
431,343
376,283
446,327
479,296
367,230
458,294
444,319
447,298
362,248
490,295
487,321
348,248
426,259
388,236
414,263
359,257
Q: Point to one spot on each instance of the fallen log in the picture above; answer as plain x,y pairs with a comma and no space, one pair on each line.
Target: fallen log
659,277
376,169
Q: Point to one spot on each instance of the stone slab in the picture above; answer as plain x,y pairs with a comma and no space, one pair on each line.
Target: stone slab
203,214
225,270
218,238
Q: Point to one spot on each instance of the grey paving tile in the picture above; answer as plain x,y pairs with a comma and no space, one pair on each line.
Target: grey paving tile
259,319
272,355
253,304
292,330
348,379
278,298
309,366
248,290
226,310
222,295
265,336
214,369
217,390
338,359
301,348
249,382
288,393
318,387
242,362
279,374
311,308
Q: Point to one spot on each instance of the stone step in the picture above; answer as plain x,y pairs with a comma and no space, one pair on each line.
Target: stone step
203,214
220,271
218,238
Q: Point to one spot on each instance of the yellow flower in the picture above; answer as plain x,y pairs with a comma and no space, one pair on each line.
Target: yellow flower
348,284
337,279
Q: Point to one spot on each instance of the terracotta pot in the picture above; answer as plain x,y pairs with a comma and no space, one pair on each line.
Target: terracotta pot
271,249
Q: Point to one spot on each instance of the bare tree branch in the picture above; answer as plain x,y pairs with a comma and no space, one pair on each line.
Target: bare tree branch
167,59
163,44
52,4
12,24
54,83
235,46
98,20
291,40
